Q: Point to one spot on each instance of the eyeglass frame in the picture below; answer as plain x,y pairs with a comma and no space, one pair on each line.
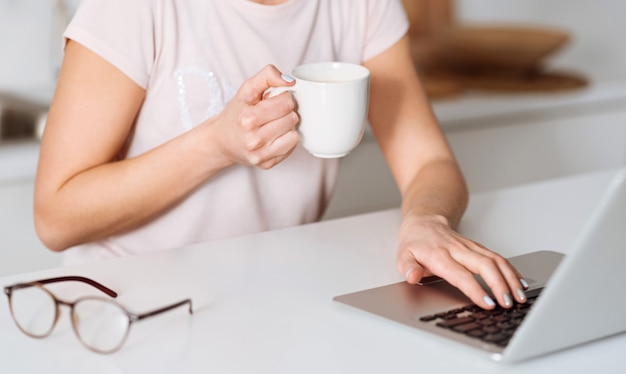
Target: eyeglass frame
132,317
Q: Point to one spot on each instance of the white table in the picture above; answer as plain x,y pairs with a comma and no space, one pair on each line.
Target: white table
263,303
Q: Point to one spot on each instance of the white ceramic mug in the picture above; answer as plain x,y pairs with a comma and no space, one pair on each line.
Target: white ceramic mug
332,98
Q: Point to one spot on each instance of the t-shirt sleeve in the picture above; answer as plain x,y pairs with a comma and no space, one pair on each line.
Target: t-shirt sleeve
388,23
120,31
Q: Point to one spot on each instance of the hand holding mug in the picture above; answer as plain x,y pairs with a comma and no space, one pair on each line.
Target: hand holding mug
253,131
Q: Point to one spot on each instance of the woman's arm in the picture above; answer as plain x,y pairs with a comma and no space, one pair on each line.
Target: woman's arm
84,192
434,194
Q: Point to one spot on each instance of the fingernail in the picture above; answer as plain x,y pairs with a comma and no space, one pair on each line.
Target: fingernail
287,78
521,294
406,276
508,300
524,283
489,301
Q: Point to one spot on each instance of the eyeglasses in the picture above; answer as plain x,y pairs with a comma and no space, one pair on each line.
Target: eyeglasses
101,324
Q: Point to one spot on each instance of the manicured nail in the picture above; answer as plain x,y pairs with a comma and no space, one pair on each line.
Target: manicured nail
521,294
508,300
406,276
287,78
524,283
489,301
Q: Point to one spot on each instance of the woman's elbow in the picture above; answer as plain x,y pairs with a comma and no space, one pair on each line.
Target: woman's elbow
49,232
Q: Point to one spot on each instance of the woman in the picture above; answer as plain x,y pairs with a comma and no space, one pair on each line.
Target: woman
160,135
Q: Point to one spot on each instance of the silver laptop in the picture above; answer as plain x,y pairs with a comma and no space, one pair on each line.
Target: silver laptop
583,298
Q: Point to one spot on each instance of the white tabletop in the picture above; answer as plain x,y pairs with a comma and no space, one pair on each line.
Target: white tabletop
263,303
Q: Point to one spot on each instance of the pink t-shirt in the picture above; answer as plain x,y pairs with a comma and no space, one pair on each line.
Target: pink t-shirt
190,57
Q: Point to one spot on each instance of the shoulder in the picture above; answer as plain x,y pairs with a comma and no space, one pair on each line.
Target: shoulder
369,7
382,22
120,31
122,15
371,14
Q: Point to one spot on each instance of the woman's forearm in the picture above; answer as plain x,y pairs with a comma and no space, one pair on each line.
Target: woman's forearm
438,189
118,196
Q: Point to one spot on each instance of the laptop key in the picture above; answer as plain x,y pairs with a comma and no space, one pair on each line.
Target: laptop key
467,327
455,322
486,322
491,330
476,333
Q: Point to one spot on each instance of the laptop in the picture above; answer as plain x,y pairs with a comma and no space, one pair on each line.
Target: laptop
573,299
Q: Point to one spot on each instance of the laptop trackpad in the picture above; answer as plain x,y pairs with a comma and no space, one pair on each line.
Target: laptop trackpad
399,300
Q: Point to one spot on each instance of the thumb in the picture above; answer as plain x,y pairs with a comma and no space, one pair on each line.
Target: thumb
413,272
253,89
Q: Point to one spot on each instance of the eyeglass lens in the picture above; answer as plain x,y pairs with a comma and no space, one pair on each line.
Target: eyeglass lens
34,310
100,324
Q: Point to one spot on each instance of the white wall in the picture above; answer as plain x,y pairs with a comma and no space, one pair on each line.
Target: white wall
30,43
25,43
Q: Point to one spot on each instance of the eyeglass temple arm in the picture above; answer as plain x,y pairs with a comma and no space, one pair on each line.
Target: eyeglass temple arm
164,309
76,278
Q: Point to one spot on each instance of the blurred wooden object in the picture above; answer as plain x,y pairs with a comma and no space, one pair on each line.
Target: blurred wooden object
452,57
534,81
504,48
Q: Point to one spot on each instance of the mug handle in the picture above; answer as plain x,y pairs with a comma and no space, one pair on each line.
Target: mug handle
274,91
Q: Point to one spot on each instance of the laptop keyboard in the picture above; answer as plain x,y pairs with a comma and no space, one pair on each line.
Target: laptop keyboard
495,326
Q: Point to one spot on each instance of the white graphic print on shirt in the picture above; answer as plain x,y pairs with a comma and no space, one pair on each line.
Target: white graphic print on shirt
219,93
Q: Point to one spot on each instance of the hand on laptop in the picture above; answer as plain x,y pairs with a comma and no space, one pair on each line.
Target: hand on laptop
428,246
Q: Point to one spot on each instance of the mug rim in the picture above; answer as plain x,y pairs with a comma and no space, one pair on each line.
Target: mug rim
359,71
